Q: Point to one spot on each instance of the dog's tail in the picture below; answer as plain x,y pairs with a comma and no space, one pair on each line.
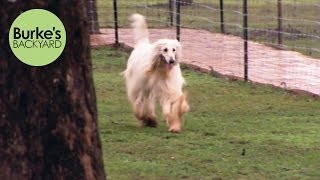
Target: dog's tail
140,29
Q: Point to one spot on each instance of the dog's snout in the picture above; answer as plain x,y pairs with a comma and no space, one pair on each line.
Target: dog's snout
171,61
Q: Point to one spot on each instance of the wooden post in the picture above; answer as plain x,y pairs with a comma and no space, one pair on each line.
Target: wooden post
171,13
178,19
245,37
280,24
221,17
115,13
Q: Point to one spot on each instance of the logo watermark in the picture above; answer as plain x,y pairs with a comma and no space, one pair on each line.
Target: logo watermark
37,37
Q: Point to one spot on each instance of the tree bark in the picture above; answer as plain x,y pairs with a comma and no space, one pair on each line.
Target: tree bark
93,17
48,115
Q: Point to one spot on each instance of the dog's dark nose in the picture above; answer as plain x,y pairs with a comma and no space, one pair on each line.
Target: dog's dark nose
171,61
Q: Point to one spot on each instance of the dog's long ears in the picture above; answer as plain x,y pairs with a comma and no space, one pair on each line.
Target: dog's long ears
156,50
157,45
156,60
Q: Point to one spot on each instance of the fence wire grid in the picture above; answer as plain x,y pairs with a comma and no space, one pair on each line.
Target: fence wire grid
291,25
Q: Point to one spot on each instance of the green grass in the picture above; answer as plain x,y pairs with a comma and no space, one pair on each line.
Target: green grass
279,132
300,17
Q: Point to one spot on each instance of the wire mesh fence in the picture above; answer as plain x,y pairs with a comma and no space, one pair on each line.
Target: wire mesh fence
292,25
300,20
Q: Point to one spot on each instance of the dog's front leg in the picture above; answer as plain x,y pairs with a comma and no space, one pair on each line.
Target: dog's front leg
173,111
171,115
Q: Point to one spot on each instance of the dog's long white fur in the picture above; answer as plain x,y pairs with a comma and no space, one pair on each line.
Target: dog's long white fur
151,77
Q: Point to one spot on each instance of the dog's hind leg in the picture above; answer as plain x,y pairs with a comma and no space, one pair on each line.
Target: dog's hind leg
144,111
149,118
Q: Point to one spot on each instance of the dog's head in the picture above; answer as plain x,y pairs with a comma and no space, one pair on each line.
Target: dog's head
168,51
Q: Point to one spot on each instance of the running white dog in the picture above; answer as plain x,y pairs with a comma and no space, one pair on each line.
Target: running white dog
153,74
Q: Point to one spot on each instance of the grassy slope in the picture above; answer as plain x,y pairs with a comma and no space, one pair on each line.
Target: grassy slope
279,132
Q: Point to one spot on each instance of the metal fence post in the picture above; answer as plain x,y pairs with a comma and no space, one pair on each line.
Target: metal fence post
115,13
245,37
171,13
178,19
280,23
221,17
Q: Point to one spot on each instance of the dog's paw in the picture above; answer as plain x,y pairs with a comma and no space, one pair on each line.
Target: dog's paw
149,122
175,129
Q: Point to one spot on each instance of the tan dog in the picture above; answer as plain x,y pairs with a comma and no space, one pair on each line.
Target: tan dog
153,74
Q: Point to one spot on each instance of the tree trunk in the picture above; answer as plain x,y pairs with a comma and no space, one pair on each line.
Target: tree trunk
93,17
48,115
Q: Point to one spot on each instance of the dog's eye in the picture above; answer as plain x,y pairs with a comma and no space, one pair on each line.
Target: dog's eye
165,50
173,50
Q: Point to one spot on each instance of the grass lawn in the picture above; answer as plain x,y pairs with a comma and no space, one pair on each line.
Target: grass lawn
300,19
234,130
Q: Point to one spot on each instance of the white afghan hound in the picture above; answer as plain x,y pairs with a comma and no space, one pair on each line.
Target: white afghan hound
153,75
